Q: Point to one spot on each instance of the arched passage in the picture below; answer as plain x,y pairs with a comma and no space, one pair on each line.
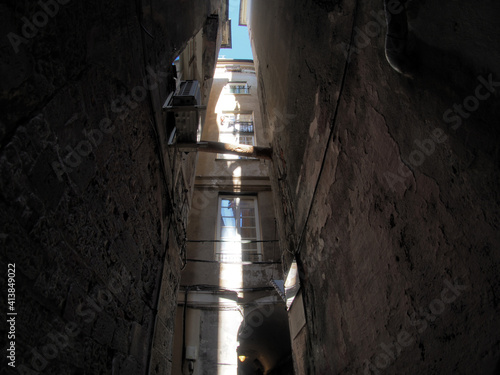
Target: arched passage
264,341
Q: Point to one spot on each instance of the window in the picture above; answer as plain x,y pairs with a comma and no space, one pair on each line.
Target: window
237,226
238,88
236,128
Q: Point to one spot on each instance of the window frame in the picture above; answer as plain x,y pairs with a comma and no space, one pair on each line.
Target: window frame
242,86
218,252
236,134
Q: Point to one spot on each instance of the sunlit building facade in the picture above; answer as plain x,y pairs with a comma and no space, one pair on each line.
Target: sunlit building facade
230,318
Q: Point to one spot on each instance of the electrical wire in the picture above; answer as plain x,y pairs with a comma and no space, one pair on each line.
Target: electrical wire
332,132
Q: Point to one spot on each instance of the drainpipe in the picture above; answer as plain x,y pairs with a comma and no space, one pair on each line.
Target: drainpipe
186,292
396,39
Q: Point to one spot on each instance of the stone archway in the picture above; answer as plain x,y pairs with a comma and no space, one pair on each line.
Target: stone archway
264,341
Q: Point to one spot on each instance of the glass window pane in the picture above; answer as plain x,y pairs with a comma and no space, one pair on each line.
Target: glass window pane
247,222
246,203
245,212
226,202
227,212
245,127
228,222
248,233
228,232
235,231
227,207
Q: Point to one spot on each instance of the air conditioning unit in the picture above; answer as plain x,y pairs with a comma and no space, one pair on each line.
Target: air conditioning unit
188,94
185,103
188,125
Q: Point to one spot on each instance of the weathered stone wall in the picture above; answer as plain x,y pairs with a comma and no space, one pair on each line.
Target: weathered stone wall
90,213
388,188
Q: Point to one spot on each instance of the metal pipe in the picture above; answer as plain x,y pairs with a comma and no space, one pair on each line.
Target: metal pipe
227,148
184,313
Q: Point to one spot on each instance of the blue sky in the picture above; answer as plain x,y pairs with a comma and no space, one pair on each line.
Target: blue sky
240,41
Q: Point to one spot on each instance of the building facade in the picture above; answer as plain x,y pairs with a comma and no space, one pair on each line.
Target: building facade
230,318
